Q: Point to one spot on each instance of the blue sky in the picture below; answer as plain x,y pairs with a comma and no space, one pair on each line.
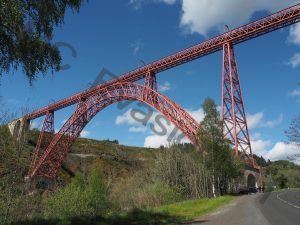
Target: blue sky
119,35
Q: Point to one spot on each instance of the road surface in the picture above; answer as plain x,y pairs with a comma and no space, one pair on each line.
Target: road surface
277,208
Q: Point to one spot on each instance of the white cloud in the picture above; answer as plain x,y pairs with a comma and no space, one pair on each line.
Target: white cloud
279,151
294,36
197,114
148,117
256,136
165,133
172,133
137,4
166,86
204,15
259,147
257,120
35,125
126,118
169,2
64,121
273,123
84,133
282,150
294,61
295,93
201,16
155,141
138,129
254,120
136,125
136,47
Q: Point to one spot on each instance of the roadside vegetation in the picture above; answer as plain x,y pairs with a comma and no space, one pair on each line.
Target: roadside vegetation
193,209
283,174
279,175
102,182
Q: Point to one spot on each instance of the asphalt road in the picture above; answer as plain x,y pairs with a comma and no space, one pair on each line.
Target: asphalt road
277,208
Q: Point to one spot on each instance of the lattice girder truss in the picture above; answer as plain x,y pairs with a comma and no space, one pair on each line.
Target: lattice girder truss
233,111
49,163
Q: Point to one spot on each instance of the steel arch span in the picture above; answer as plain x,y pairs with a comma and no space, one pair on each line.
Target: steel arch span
47,162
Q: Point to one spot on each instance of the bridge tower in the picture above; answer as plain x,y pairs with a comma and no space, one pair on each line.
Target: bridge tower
44,140
235,126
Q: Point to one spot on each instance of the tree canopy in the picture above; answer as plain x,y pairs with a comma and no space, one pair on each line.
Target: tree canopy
26,30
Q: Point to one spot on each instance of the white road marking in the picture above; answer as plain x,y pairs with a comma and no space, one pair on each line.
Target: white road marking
286,202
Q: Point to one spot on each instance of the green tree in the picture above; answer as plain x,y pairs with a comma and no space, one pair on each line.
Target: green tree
219,157
97,193
69,201
79,198
182,168
282,181
26,29
5,114
260,160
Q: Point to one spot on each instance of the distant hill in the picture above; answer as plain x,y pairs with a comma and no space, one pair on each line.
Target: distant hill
279,174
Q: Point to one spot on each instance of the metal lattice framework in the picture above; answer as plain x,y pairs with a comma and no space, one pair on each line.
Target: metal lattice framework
50,161
233,111
44,139
52,149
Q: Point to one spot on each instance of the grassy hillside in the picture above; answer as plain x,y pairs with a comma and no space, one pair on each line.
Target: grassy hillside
116,160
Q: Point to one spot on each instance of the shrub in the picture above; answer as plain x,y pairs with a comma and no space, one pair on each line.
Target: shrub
184,171
96,193
78,198
156,194
141,191
68,201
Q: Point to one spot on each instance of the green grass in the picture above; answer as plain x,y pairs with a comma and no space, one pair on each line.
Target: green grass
193,209
176,213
